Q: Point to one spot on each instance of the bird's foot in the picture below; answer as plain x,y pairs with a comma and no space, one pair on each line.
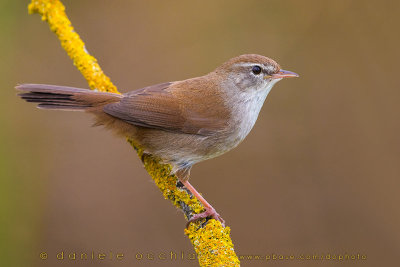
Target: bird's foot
209,213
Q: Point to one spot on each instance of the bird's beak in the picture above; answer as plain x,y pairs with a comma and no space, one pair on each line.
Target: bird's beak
284,74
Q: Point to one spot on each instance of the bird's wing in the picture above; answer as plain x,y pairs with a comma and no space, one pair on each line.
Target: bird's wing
174,107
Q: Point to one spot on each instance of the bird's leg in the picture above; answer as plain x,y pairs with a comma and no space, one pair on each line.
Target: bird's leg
210,211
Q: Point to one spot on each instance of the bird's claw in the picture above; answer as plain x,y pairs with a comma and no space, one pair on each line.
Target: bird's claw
209,213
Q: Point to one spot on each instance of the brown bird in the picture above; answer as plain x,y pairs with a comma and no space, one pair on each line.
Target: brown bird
181,122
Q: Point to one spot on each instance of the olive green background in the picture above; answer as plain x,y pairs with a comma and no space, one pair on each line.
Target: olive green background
319,173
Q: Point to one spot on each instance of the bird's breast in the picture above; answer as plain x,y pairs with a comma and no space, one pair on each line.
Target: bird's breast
245,110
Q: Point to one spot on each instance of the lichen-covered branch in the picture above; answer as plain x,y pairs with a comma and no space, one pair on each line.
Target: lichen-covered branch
211,241
54,13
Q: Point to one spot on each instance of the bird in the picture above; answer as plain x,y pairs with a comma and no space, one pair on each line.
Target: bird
181,122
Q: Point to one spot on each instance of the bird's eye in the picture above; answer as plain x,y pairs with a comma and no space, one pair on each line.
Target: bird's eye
256,70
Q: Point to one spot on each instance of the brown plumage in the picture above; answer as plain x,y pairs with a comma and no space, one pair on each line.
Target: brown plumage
181,122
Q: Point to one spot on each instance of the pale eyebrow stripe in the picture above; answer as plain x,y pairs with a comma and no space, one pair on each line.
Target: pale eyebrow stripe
266,69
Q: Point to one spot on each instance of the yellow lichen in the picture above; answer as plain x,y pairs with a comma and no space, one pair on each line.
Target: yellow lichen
53,11
211,242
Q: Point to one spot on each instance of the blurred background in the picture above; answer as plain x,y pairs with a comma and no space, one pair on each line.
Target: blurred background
319,173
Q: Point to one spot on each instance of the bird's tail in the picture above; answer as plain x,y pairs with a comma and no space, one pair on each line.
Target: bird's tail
65,98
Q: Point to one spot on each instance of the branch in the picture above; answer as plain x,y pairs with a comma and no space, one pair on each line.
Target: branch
210,240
